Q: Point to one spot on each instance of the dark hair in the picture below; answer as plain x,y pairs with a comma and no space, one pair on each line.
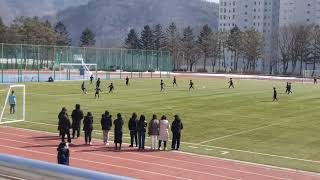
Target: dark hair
12,92
163,117
106,113
142,118
89,114
154,116
77,106
134,115
61,145
64,109
119,116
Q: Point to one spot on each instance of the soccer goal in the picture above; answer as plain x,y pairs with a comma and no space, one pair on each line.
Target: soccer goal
310,75
14,103
77,71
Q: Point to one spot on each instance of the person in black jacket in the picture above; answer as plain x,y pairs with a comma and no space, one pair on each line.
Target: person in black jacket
98,83
118,124
77,116
61,113
64,125
106,124
88,128
176,128
141,128
63,154
133,129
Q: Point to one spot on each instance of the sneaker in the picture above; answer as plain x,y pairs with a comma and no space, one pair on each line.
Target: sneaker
131,146
90,143
107,144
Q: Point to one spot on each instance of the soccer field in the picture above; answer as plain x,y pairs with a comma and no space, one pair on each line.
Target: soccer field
242,123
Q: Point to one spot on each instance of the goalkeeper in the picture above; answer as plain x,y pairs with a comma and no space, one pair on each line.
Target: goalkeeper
12,102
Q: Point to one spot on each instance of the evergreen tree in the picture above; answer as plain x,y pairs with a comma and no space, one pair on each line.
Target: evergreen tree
2,31
132,41
62,34
158,37
87,38
233,43
187,46
172,42
146,40
204,43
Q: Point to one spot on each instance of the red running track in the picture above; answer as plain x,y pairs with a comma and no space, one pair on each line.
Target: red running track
154,165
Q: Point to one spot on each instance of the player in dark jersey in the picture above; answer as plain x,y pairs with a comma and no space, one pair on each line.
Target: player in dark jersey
162,85
231,83
97,94
111,88
174,83
98,83
91,79
127,81
275,94
83,88
191,85
315,81
287,88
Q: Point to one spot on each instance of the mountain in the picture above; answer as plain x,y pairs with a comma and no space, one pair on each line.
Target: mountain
9,9
111,20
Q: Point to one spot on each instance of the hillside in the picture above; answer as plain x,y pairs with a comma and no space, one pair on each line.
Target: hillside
9,9
110,20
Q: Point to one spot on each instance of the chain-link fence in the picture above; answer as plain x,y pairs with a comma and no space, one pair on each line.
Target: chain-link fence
25,63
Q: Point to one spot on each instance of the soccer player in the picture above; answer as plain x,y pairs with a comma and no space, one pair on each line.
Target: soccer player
287,88
191,85
127,81
162,85
275,94
174,81
315,81
91,79
231,83
111,87
98,90
12,102
98,83
83,88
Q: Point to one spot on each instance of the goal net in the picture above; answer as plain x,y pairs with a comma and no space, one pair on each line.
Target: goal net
310,75
77,71
13,107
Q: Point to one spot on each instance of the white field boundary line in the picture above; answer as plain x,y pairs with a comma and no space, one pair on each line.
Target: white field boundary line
245,131
156,164
89,161
10,177
137,161
243,151
204,156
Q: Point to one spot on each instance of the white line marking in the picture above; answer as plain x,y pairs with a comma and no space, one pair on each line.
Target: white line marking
126,159
193,147
224,152
106,164
246,172
209,149
245,131
218,158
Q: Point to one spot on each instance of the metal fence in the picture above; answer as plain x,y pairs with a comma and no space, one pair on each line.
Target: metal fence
23,62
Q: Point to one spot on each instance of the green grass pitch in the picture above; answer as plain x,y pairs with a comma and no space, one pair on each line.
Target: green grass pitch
242,123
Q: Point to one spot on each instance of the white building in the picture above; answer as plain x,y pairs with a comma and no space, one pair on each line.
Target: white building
299,12
261,15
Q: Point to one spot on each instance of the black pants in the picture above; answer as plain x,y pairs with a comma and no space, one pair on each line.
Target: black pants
133,137
87,136
12,108
142,138
74,131
164,144
63,134
176,141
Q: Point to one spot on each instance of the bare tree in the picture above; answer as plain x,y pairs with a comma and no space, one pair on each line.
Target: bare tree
315,47
215,48
252,47
286,41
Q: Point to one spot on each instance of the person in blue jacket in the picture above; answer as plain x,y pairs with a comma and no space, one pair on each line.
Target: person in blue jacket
12,102
63,154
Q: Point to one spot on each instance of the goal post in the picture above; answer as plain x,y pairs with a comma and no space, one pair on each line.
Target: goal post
73,71
20,106
310,75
